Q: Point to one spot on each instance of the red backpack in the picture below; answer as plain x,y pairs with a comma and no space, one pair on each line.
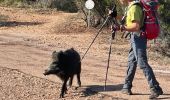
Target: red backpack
151,28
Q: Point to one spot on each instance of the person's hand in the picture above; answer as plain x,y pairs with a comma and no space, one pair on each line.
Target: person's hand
115,27
112,13
122,28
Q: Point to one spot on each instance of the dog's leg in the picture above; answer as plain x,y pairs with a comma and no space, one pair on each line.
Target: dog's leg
78,80
71,81
65,91
78,75
64,87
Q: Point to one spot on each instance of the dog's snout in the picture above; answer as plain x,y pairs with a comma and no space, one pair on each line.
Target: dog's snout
45,72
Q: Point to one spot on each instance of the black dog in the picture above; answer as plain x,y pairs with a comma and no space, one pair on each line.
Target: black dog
65,65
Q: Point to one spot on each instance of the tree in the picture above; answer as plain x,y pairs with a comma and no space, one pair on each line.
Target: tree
165,21
99,13
164,12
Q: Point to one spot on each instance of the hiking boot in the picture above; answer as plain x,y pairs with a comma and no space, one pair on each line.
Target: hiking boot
159,90
126,91
155,92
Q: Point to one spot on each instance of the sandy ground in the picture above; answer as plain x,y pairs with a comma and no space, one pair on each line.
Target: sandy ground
27,39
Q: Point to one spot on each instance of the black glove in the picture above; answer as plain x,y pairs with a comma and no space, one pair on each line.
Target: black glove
113,12
122,28
115,27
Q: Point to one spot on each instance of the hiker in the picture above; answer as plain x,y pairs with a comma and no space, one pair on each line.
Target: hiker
137,54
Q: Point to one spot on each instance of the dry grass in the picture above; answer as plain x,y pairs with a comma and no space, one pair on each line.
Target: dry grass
73,24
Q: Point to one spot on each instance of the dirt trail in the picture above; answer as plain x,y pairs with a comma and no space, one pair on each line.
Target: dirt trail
27,40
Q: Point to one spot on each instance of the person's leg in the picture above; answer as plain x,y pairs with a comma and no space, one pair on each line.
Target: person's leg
142,61
155,89
132,64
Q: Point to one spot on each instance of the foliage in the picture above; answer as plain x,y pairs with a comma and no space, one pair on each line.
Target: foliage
99,12
164,13
63,5
165,22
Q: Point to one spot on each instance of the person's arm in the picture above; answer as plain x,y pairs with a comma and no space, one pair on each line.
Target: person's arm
134,17
135,26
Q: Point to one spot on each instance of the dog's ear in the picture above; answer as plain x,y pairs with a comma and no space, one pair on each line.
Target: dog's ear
60,55
72,48
53,52
55,55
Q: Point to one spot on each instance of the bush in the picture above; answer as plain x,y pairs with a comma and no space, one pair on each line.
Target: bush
63,5
165,23
99,12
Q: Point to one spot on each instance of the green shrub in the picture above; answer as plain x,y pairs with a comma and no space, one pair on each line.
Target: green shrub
165,22
63,5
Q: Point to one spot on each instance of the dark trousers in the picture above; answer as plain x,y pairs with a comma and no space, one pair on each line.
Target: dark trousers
138,56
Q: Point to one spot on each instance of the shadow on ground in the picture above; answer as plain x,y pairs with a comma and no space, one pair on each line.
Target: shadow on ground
15,23
99,88
93,89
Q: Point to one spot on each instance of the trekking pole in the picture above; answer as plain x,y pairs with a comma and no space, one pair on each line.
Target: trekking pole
97,34
110,50
95,37
114,21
